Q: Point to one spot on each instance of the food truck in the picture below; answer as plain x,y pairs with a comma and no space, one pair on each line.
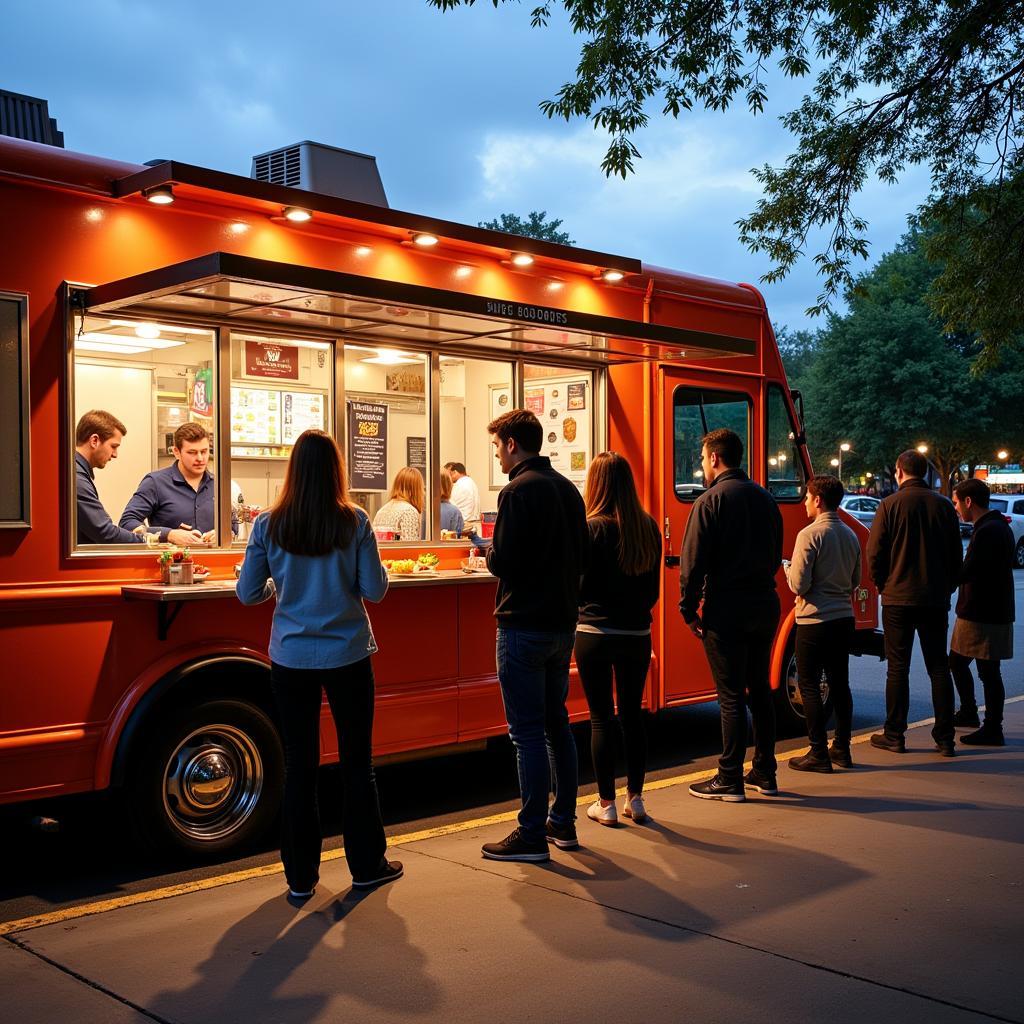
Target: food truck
168,294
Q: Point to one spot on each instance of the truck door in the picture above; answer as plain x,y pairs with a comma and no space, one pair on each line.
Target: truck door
693,402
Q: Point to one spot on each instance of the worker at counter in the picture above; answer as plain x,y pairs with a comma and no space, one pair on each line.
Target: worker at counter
177,501
97,438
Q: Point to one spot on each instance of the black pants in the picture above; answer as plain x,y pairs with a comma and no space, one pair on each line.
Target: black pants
299,699
739,654
599,657
900,623
991,680
825,647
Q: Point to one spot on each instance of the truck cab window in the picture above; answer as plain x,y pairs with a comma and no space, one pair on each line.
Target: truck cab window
696,411
784,471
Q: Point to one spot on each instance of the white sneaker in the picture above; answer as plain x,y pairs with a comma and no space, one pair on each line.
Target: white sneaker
634,808
602,815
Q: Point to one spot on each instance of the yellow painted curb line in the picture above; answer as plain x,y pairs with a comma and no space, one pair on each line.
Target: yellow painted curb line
201,885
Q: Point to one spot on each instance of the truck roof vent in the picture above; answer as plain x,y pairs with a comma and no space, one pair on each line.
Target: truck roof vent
25,117
324,169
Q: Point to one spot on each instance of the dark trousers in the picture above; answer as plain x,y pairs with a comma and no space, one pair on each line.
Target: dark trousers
299,699
991,680
931,625
824,647
739,654
599,657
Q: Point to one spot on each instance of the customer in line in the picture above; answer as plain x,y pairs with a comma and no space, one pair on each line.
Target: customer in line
983,630
451,517
914,554
316,550
613,637
824,573
403,511
732,549
538,553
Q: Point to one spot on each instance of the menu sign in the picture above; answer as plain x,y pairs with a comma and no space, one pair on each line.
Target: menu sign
367,446
255,416
416,454
561,404
267,359
301,411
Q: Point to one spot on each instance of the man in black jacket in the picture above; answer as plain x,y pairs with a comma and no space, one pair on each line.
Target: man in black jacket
538,553
732,549
983,630
914,555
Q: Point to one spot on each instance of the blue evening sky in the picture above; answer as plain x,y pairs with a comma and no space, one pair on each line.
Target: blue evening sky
446,102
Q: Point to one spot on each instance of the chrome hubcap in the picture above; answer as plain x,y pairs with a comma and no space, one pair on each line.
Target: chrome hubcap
212,782
796,699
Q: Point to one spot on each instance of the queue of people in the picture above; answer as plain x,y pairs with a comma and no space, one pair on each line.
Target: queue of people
599,557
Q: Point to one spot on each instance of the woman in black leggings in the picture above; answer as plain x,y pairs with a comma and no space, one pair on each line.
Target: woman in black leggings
613,638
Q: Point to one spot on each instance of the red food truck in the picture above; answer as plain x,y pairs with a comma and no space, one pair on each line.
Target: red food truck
173,294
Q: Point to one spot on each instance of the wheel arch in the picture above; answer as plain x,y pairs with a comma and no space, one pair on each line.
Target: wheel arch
240,672
782,641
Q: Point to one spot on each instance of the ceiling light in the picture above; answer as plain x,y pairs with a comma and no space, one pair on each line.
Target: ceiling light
612,276
463,271
522,259
387,358
124,341
555,286
238,228
161,328
87,345
94,216
363,250
425,239
297,215
162,195
147,331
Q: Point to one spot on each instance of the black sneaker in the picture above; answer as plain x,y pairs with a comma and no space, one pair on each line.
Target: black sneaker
986,736
811,763
563,836
389,870
516,846
946,749
895,745
764,784
717,788
966,718
840,755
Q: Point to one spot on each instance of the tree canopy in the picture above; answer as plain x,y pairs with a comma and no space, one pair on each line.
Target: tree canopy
534,226
893,84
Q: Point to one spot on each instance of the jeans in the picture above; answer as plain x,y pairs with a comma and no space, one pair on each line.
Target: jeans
598,657
350,694
739,654
825,647
900,622
533,670
991,680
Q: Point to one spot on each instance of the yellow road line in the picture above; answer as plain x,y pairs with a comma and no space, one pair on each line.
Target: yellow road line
202,884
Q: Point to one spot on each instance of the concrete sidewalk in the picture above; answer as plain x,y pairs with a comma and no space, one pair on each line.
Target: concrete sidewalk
892,890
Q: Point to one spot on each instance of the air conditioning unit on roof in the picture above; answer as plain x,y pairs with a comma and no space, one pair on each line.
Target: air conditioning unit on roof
324,169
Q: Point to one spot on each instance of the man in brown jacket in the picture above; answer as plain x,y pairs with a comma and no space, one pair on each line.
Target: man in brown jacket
915,555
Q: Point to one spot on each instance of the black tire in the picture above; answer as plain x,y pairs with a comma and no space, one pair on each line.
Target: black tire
208,779
1018,555
789,705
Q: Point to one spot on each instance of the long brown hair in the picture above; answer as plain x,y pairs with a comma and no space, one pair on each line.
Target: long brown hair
611,494
446,485
408,486
314,514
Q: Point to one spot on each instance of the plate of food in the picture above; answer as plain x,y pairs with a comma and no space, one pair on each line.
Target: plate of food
200,572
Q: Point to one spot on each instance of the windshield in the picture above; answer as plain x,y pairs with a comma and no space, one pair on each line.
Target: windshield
997,504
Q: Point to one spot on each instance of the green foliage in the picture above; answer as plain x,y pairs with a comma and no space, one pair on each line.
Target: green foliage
798,349
896,84
535,226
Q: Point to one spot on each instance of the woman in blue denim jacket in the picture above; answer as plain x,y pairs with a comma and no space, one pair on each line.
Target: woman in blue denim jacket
316,552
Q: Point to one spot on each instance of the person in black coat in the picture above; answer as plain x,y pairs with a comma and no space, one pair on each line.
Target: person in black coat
983,631
613,637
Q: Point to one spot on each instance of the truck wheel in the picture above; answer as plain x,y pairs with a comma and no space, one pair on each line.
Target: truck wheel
208,779
789,704
1018,555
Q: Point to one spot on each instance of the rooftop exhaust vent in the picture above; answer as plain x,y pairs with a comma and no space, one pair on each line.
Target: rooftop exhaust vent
324,169
25,117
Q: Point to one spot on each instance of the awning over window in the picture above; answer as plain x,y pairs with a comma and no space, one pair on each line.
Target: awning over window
253,294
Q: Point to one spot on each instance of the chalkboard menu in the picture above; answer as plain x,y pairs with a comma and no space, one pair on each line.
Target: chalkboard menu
14,411
367,446
416,454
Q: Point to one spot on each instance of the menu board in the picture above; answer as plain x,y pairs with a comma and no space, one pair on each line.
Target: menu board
367,446
255,416
301,410
565,407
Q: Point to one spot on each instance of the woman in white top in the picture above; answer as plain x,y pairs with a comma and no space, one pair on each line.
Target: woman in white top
403,511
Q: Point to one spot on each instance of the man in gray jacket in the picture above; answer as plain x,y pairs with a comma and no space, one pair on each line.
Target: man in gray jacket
823,574
915,556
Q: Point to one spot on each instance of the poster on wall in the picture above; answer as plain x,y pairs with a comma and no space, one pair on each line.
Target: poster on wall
255,416
367,446
406,381
200,397
500,403
270,360
564,402
301,410
416,454
535,400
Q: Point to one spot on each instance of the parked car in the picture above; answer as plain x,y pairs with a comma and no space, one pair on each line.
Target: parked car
860,506
1012,508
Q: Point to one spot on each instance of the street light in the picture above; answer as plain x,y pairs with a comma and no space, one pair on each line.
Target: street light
834,462
844,447
1002,454
923,449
